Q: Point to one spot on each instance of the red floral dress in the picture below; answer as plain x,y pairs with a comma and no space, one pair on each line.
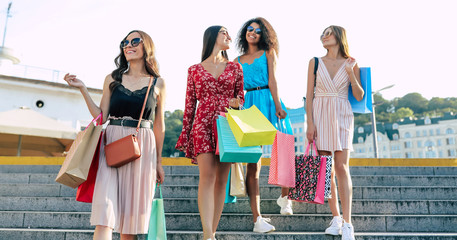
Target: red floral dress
213,95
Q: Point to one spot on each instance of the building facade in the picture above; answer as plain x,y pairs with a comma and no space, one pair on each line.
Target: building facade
422,138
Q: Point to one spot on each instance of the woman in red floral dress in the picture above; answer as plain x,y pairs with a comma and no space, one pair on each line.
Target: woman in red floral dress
216,83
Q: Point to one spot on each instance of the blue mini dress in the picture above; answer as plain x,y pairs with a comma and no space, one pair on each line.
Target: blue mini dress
256,75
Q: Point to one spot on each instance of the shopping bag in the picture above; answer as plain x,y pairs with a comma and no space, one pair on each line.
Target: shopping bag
86,189
309,177
157,229
228,197
75,167
229,151
217,142
328,176
366,104
282,161
237,180
250,127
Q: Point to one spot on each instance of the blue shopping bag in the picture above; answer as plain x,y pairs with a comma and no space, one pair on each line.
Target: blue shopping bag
366,104
229,150
229,198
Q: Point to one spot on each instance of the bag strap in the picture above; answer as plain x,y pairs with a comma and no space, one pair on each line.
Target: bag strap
160,190
144,104
315,153
316,64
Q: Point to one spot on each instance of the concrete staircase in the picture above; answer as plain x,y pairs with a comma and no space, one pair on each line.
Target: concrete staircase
392,203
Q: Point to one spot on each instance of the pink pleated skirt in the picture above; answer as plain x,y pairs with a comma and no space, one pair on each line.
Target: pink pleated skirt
123,196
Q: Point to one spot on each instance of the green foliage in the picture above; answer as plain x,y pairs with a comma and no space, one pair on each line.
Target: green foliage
410,105
173,127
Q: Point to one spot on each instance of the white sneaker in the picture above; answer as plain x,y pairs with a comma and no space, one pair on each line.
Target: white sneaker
348,232
335,226
262,225
286,205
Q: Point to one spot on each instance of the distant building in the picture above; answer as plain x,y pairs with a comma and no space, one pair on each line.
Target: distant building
52,99
423,138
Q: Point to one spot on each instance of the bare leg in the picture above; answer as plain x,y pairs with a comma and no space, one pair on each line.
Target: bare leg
128,237
207,168
252,187
219,192
344,183
103,233
284,191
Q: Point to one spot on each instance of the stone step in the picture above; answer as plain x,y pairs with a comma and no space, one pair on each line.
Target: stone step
266,192
355,170
70,234
192,179
243,222
268,206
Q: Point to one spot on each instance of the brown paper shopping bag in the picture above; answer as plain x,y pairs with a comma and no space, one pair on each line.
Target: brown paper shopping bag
237,181
76,166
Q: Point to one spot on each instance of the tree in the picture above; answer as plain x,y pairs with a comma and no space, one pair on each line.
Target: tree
414,101
173,127
400,114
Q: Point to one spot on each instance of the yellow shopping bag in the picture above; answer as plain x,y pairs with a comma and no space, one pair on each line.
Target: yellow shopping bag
250,127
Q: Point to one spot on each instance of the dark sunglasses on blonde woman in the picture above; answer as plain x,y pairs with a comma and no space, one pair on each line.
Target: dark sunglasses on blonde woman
134,42
257,30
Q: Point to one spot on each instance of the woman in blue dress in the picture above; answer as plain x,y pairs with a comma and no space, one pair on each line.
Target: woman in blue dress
258,45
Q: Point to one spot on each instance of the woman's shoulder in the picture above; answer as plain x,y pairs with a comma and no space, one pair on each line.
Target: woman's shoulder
194,67
234,64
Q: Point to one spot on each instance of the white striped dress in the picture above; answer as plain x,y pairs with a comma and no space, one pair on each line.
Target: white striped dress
332,112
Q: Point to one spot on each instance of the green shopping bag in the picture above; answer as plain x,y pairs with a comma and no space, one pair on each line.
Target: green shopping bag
229,151
157,229
250,127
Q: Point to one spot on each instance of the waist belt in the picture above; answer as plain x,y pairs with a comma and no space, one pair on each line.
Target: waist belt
257,88
331,95
130,123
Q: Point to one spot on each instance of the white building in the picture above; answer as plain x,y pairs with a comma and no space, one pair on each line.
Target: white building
52,99
423,138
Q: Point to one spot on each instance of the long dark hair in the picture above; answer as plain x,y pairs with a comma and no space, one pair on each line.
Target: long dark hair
122,65
341,39
268,38
209,40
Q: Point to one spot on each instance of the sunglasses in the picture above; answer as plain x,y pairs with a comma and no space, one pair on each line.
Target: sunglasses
134,42
326,34
257,30
225,32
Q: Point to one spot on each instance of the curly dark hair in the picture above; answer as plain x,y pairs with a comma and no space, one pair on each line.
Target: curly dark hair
122,65
268,37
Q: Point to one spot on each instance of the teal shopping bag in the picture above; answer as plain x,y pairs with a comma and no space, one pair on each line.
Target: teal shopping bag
157,229
366,104
229,198
229,150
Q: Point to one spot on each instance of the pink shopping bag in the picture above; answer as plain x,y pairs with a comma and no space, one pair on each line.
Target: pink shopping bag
282,161
310,177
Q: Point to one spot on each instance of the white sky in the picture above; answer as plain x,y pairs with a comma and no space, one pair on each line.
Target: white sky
407,43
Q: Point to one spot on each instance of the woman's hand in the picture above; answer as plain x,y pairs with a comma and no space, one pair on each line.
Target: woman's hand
349,64
160,173
235,102
73,81
311,132
281,114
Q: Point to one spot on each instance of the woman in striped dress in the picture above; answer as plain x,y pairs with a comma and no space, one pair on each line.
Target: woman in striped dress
331,121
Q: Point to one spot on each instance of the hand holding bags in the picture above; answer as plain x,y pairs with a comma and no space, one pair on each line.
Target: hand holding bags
366,104
126,149
282,164
310,177
157,229
250,127
237,180
75,167
229,151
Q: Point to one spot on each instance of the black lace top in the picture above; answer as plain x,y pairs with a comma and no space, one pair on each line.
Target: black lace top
125,103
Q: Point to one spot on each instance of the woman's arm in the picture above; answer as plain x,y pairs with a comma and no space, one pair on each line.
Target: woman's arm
159,127
93,108
189,112
354,76
272,83
311,131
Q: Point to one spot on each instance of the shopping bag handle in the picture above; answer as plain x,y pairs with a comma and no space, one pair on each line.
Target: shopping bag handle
100,122
280,126
314,147
160,190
